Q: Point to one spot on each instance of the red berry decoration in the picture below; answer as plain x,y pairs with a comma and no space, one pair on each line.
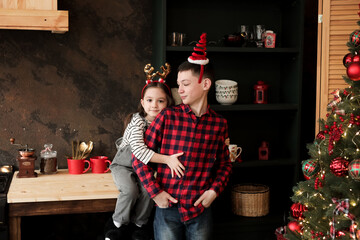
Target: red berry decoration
355,37
339,166
347,59
297,210
353,71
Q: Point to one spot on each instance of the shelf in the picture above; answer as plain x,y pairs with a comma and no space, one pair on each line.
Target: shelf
255,107
263,163
34,19
234,49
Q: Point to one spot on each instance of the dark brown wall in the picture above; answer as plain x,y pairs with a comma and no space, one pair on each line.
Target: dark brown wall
56,88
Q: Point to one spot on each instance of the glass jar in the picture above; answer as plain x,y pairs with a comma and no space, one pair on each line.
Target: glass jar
48,164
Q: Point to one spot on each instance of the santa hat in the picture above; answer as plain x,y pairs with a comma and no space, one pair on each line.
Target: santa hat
199,55
148,69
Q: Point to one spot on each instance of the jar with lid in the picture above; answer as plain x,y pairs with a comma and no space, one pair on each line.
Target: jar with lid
48,164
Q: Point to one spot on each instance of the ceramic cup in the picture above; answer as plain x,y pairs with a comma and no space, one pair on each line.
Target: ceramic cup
225,84
100,164
76,166
226,91
235,152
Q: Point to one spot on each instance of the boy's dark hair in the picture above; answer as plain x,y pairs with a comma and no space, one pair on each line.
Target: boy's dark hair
140,108
195,68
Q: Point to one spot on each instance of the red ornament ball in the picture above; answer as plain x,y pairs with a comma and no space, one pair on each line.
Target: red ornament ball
356,58
297,210
353,71
355,37
294,226
310,168
347,59
354,169
339,166
320,135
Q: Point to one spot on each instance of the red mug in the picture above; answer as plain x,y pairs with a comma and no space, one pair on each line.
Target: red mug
76,166
98,164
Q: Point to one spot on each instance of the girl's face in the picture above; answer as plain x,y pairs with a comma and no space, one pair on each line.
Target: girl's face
153,102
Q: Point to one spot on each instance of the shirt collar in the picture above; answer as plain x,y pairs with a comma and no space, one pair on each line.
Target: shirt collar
186,108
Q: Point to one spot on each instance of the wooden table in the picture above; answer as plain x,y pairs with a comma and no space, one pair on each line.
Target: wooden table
60,193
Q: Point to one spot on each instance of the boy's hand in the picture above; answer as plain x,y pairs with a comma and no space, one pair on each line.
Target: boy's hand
175,165
163,198
206,198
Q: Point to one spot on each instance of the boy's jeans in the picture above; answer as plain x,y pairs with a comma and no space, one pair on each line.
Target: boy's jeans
167,225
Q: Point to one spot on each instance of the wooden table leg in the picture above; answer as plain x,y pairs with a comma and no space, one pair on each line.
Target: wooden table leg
15,228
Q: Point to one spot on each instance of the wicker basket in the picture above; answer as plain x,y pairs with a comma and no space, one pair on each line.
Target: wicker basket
250,200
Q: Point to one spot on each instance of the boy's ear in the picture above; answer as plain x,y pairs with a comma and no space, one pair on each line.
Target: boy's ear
207,83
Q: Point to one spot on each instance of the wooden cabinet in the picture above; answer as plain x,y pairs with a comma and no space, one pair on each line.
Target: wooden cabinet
277,122
33,15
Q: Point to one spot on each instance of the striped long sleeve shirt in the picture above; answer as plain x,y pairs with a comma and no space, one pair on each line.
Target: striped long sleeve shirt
134,136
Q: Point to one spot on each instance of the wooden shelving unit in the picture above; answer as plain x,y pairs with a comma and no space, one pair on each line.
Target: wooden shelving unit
281,68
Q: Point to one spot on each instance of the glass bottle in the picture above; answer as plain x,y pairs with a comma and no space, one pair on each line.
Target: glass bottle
48,164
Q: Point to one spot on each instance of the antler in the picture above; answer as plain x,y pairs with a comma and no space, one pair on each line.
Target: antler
165,72
148,69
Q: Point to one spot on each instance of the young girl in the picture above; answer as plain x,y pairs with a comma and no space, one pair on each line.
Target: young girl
134,206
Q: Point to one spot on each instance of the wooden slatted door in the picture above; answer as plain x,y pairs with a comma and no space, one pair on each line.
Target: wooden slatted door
337,20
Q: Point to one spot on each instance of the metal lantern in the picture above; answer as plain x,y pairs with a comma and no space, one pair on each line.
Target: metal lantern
261,92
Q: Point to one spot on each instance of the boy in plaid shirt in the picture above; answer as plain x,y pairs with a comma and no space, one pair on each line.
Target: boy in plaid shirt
195,129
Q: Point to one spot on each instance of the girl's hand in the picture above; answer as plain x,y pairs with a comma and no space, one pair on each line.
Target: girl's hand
175,165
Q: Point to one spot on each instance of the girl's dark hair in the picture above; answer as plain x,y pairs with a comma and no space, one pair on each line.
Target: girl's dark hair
140,109
195,68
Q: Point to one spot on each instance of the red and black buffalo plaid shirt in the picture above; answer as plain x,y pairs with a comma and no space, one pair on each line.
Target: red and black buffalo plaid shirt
206,157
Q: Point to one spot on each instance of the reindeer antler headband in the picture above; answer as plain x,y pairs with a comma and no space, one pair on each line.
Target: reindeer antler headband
148,69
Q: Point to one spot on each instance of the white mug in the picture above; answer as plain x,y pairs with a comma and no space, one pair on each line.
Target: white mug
235,152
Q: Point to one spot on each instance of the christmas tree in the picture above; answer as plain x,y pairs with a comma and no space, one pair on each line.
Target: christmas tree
327,204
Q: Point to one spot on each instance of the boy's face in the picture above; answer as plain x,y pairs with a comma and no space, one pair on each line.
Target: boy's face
190,90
